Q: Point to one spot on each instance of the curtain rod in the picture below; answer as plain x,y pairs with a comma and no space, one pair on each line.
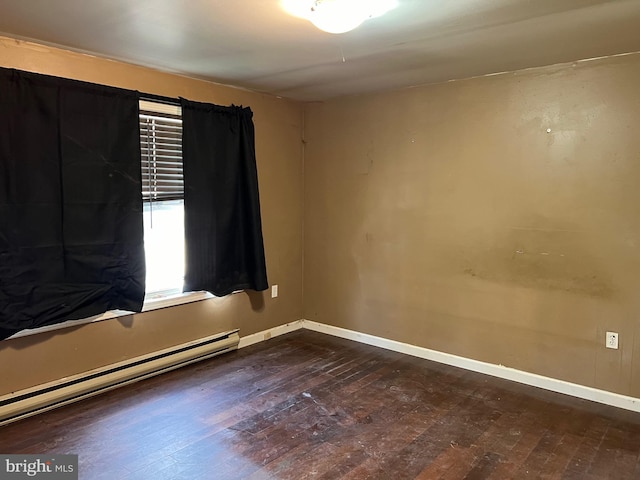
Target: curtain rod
160,98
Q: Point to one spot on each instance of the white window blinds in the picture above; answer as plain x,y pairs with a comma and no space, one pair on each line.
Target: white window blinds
161,144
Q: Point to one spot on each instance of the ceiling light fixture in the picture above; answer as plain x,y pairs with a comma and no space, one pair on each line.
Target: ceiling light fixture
338,16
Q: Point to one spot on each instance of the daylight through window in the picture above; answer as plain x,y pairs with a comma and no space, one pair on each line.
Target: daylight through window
163,197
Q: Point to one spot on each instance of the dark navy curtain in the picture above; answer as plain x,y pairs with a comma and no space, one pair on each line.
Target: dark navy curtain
223,229
71,230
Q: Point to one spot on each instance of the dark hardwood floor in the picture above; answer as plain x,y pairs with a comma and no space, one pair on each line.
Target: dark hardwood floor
306,405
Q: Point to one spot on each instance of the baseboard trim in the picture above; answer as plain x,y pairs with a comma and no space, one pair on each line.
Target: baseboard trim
269,333
500,371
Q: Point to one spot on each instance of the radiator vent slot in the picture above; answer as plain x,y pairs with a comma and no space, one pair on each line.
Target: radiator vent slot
41,398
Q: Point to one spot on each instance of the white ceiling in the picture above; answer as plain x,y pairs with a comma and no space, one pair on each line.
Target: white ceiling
256,45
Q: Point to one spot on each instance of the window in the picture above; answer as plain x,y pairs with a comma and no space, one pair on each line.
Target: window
229,255
163,197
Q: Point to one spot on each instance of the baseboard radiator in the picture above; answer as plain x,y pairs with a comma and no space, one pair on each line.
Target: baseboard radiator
24,403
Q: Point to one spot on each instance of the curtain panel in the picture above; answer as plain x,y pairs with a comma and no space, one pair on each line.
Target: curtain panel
71,230
223,230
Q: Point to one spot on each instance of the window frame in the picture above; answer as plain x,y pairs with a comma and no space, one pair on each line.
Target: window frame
174,110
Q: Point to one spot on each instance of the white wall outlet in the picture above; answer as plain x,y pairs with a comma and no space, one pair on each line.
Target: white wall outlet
274,291
611,340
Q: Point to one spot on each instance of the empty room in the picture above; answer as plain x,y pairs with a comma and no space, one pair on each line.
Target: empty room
320,239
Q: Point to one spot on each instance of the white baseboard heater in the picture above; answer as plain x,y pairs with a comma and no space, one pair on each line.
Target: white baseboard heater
24,403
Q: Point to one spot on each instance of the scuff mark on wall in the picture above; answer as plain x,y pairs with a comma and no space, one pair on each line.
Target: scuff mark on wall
534,263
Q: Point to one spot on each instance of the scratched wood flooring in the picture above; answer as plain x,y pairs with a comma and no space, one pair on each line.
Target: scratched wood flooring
306,405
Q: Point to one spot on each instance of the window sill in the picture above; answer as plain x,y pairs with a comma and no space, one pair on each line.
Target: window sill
154,303
173,299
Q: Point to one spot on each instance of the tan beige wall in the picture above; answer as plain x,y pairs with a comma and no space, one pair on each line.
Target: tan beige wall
31,360
447,216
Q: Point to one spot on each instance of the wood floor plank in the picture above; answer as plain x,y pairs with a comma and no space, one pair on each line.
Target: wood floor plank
306,405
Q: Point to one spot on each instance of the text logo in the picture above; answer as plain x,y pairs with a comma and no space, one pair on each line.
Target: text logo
49,467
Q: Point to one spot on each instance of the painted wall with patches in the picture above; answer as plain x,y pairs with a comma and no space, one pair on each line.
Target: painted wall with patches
496,218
